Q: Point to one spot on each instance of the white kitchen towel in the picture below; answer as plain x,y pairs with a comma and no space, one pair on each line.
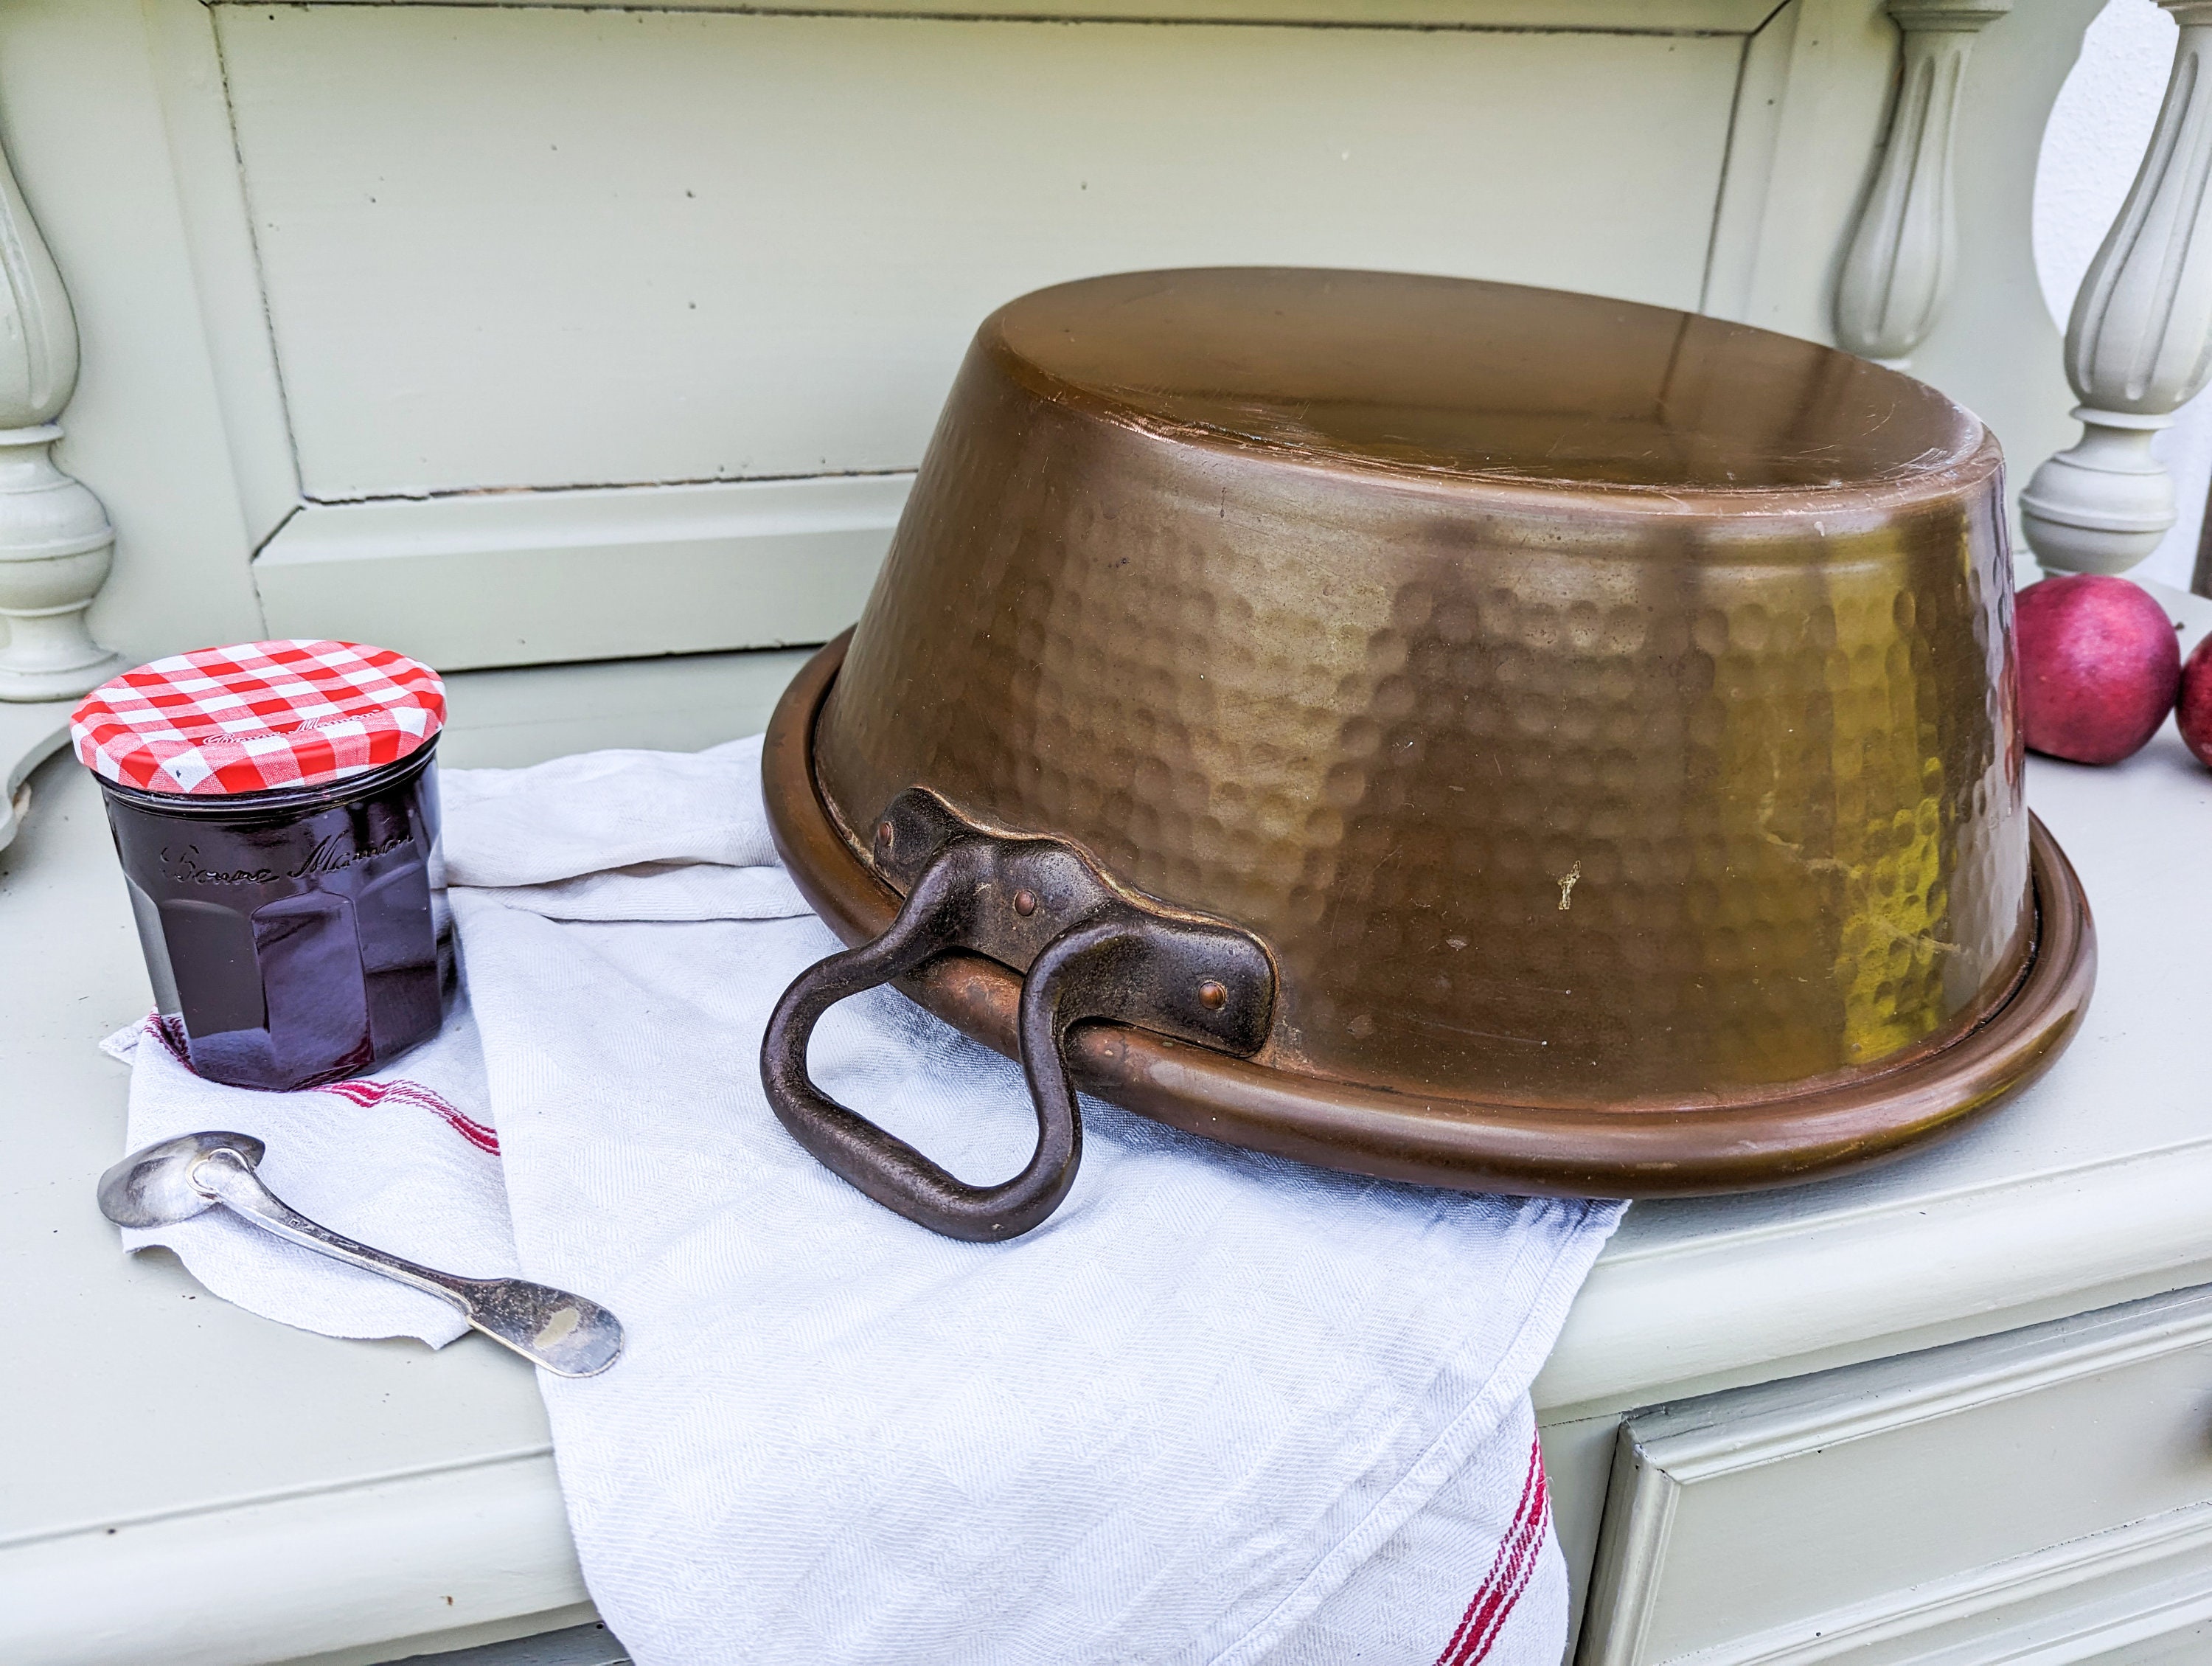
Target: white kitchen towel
1220,1408
416,1168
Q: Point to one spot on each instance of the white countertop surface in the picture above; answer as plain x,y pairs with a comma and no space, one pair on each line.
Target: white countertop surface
189,1483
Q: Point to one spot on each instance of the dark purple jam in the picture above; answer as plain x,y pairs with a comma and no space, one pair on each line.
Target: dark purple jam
291,929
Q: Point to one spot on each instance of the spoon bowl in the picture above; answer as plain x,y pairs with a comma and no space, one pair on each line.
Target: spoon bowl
154,1187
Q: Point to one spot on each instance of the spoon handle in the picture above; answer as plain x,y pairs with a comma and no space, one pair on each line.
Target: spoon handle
567,1335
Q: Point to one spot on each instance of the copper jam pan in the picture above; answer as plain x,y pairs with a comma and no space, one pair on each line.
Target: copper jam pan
1639,1149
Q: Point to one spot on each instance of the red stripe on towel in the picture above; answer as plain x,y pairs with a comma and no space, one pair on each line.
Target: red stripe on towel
170,1033
1509,1572
368,1094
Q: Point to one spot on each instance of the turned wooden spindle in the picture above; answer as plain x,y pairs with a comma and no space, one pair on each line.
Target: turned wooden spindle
55,543
2139,345
1897,266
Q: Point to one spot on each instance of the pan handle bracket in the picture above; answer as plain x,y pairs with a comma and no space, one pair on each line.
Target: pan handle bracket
1090,950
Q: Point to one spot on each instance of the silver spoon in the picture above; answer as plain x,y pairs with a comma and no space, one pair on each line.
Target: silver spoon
178,1178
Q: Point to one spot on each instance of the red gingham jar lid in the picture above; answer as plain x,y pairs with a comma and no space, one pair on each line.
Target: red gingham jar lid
257,717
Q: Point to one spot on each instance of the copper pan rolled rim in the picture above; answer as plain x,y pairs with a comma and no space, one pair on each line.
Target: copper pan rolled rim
1797,1134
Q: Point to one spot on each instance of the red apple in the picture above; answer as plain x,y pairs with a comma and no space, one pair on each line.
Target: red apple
2099,667
2193,712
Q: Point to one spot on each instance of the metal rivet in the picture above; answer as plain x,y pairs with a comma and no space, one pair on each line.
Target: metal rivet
883,833
1025,903
1212,996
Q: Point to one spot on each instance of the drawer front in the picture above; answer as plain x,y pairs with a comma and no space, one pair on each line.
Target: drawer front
2045,1489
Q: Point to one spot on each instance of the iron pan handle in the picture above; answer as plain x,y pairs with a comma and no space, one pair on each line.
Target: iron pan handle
1089,949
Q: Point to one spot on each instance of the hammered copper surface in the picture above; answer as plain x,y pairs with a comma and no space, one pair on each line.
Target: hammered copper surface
1454,1139
1588,702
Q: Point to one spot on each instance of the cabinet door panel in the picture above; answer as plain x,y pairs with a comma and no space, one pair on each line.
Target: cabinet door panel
545,247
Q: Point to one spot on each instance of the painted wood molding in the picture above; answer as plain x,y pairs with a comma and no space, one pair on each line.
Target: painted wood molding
1603,16
1897,267
2133,1585
379,1568
29,735
2115,1534
668,569
56,545
2139,344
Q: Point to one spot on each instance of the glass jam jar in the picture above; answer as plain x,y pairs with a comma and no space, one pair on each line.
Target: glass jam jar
274,806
